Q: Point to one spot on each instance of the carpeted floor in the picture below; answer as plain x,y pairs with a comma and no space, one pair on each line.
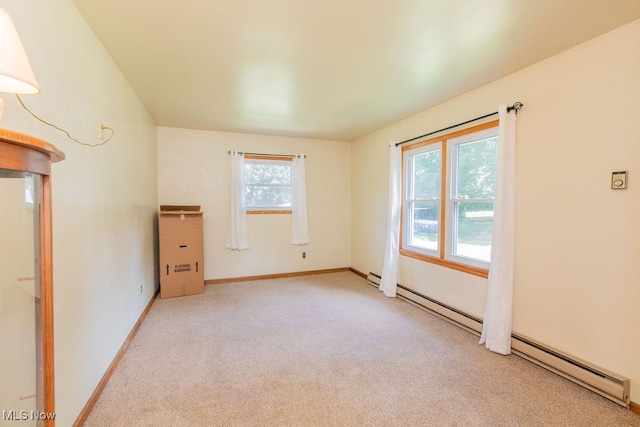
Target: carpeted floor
327,350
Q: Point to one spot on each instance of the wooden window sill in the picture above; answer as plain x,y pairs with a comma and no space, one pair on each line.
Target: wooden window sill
476,271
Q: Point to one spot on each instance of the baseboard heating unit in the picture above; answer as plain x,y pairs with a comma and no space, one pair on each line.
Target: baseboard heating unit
597,379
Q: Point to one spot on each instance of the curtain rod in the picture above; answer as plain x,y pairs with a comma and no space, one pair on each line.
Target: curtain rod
516,106
268,155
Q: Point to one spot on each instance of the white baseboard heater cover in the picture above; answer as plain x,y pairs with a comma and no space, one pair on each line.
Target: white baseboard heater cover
599,380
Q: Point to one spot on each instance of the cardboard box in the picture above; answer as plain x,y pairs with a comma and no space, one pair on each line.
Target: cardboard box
181,251
186,208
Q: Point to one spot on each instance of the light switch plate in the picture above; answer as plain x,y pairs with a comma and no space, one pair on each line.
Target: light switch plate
619,180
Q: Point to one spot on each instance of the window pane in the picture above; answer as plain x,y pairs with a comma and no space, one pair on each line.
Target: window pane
426,169
476,169
267,184
267,173
474,227
424,229
267,196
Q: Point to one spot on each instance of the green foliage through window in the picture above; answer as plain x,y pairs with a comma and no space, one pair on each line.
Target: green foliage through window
466,198
267,184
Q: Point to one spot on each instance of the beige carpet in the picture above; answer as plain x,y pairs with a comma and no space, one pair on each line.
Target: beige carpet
327,350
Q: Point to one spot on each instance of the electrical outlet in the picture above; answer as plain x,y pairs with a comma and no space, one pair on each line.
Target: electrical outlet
101,129
304,254
141,288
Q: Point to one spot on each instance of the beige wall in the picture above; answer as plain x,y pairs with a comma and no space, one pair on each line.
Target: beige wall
104,199
193,168
578,241
577,273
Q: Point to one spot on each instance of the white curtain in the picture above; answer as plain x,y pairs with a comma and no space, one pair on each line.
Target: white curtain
300,227
237,233
496,327
389,281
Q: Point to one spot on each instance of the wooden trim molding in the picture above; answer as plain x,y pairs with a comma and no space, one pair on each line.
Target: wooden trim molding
16,157
273,276
635,408
46,299
32,143
268,157
480,272
451,135
358,272
88,407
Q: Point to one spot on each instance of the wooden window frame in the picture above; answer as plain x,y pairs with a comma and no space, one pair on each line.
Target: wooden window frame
258,211
443,219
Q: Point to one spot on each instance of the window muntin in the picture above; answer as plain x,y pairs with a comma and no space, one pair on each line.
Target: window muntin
267,185
448,199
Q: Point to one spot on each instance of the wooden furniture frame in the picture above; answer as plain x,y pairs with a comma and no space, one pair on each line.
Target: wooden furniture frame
20,152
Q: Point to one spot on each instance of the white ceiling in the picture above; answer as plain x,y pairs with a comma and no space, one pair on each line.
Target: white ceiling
329,69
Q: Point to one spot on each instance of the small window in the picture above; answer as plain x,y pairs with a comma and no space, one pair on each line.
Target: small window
448,199
267,185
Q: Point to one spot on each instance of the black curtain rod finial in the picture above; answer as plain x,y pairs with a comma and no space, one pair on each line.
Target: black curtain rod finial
517,106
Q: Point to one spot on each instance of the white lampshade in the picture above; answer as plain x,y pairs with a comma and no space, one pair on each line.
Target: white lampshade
16,75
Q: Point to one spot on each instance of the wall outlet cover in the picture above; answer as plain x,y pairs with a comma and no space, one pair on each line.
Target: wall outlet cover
619,180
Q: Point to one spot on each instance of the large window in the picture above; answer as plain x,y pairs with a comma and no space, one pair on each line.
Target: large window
267,184
448,198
